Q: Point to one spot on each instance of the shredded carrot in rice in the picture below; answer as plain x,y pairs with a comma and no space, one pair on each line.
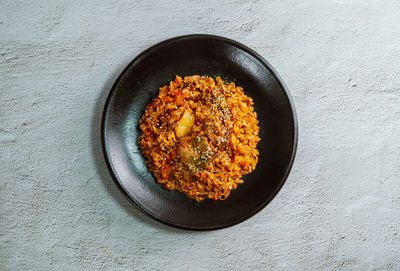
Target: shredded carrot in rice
199,136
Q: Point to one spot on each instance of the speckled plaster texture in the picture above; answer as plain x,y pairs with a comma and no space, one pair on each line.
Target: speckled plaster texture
340,207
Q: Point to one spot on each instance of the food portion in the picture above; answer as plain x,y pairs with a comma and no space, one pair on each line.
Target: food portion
199,136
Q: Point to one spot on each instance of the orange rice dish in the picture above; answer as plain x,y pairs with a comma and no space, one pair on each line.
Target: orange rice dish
199,136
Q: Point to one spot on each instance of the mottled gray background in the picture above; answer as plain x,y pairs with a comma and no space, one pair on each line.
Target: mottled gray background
340,208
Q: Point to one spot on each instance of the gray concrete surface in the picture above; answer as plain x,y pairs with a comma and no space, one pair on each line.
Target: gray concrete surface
340,208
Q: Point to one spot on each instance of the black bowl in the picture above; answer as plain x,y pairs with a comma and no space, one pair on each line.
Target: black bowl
202,55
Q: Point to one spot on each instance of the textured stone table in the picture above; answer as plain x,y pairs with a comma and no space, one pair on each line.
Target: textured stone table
340,208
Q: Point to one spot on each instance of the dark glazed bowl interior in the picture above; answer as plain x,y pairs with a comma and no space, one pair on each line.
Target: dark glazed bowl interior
202,55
